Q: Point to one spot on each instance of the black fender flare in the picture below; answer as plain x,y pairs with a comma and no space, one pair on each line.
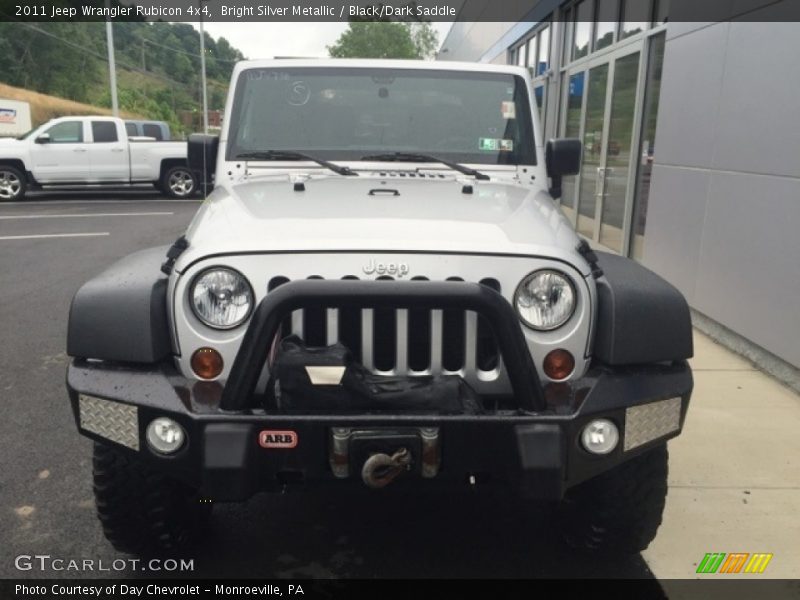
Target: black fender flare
641,318
121,315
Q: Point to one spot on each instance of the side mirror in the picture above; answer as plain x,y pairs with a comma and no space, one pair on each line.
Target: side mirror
562,157
202,156
43,139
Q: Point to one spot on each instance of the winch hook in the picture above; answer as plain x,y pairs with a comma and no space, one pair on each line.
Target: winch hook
380,470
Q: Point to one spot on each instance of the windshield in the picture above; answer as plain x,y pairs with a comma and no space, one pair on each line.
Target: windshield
346,113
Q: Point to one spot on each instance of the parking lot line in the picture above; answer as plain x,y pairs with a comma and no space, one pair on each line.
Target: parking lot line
136,214
52,235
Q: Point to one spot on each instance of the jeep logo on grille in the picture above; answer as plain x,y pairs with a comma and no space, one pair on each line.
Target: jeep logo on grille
400,269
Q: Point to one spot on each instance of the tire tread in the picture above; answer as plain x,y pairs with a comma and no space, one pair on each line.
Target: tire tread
620,510
142,511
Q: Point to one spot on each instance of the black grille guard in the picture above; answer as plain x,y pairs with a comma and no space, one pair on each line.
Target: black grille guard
428,295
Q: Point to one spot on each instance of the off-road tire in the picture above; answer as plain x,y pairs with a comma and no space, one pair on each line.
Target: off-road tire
619,511
13,185
175,182
142,511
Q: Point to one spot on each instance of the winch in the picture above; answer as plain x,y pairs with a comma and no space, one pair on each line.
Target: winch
383,455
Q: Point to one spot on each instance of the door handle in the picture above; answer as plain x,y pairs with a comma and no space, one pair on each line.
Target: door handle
117,149
79,150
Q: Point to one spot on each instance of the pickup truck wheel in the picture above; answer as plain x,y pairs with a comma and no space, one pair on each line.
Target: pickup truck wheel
142,511
12,184
619,511
178,182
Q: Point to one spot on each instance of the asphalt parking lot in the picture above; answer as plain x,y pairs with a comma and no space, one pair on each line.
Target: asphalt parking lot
50,245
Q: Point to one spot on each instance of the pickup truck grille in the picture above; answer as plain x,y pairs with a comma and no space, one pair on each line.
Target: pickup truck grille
404,341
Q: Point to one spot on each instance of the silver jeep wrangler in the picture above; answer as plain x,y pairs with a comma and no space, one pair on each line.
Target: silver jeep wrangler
380,290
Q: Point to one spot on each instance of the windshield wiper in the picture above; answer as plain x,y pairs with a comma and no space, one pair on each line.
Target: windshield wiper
291,155
414,157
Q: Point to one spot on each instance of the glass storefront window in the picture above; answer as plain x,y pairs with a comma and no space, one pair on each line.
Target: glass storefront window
583,30
635,17
615,177
606,17
593,131
543,62
531,64
572,128
566,44
618,151
647,148
574,104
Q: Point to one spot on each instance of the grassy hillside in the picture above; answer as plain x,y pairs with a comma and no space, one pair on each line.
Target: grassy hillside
44,107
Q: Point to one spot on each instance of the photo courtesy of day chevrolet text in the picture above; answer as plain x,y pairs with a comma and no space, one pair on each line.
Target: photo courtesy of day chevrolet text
123,590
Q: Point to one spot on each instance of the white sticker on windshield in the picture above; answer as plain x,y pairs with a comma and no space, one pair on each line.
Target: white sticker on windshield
489,144
505,145
508,109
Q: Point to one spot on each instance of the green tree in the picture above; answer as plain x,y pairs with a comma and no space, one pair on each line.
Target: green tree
425,38
182,68
382,39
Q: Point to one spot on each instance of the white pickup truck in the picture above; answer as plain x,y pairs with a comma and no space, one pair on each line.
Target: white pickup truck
91,152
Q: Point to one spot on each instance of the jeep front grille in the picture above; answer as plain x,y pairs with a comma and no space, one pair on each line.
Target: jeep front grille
404,341
413,341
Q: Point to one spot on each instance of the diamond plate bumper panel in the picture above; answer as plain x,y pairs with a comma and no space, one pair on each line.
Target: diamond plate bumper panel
114,421
648,422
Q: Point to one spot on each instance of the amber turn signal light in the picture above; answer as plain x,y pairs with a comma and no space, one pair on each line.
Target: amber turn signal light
558,364
207,363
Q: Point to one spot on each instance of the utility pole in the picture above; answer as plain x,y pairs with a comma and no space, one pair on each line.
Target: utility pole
112,67
203,69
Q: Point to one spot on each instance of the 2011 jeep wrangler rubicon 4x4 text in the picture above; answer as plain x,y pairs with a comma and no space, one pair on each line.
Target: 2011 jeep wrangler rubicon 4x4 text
380,290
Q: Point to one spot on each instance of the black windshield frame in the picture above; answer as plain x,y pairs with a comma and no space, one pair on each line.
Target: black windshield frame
523,154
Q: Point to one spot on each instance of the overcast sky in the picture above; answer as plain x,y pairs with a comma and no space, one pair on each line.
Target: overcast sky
265,40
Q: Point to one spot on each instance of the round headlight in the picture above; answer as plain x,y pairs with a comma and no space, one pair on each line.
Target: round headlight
545,300
221,298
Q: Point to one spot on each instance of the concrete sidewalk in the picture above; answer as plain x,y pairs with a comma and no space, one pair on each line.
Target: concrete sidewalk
734,472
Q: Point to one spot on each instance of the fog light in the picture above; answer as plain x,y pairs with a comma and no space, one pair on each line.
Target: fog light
558,364
207,363
600,436
165,435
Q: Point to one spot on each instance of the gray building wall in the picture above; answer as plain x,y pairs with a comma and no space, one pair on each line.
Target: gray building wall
723,222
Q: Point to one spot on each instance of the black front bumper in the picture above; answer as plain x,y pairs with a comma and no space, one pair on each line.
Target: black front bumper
535,447
540,453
